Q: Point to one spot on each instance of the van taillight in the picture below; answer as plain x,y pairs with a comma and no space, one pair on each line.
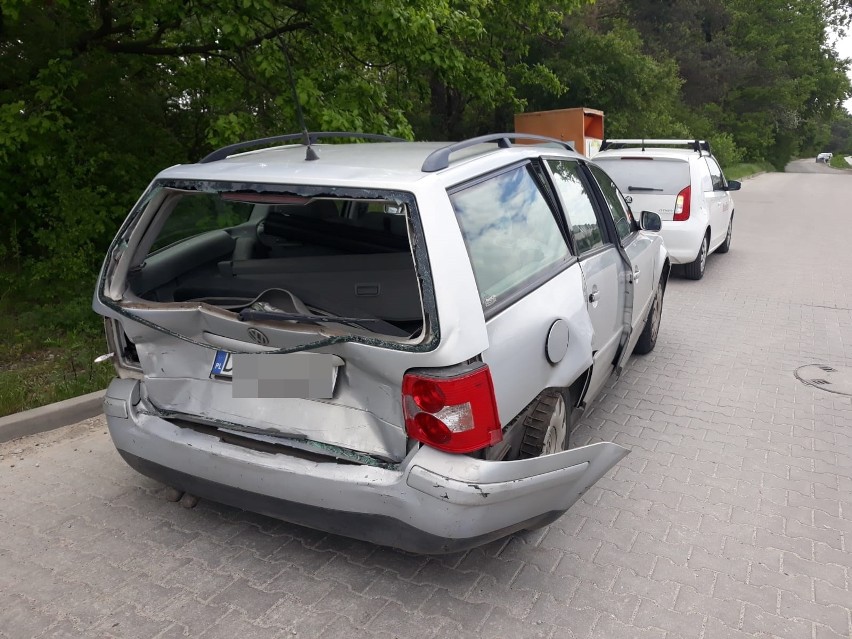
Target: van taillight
455,414
681,211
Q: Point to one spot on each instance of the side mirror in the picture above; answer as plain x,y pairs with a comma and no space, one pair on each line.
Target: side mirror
734,185
650,221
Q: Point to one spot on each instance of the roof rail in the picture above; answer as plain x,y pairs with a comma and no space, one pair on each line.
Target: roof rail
304,138
440,158
623,143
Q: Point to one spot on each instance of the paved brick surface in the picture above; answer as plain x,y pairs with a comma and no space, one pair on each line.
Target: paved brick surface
732,517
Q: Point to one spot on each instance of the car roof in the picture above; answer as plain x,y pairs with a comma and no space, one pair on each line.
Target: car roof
378,163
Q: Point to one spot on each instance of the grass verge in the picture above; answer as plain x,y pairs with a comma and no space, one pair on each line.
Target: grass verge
838,161
47,346
739,171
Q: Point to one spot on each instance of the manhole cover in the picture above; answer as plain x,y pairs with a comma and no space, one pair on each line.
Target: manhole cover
834,379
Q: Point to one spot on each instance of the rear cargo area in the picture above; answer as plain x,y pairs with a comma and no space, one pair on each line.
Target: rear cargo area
340,257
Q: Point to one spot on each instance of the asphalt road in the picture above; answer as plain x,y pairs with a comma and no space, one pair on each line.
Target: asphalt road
810,165
731,517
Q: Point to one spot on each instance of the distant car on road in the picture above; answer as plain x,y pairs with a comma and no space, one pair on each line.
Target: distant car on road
824,157
682,182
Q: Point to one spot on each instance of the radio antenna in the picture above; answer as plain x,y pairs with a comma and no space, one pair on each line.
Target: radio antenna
310,154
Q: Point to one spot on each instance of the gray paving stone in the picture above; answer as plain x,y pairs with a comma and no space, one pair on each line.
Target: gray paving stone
358,608
691,601
250,600
515,601
678,624
442,604
732,517
19,617
757,621
499,624
835,617
398,621
127,623
620,606
404,593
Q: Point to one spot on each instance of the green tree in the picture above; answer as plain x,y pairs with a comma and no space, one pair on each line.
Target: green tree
96,96
761,72
600,63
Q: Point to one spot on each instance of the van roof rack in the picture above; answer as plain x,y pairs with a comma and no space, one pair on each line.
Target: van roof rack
624,143
305,138
440,158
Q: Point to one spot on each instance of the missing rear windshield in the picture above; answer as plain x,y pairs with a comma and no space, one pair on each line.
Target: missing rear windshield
337,264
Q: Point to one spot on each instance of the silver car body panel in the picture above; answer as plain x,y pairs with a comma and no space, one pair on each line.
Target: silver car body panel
431,502
604,273
517,337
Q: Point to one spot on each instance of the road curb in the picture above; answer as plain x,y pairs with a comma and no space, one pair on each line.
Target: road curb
44,418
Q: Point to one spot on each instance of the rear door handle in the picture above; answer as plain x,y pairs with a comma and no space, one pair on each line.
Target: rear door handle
594,295
636,273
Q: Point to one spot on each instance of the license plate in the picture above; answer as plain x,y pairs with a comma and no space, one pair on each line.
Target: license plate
288,375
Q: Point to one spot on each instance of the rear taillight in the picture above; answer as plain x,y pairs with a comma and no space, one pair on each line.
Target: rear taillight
455,414
681,211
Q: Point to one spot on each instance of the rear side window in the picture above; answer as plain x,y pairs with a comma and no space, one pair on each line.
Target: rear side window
585,227
510,231
647,176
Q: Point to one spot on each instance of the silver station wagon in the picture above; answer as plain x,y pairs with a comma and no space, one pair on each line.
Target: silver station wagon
387,340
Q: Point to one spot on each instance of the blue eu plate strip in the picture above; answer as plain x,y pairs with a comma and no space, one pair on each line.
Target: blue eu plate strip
219,363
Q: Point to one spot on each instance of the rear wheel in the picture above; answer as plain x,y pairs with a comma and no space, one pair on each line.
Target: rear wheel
726,245
695,270
547,426
648,339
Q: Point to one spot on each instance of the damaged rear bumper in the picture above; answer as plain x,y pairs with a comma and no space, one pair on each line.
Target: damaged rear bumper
433,502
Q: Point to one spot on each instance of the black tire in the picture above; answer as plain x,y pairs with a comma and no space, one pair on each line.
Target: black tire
546,408
695,270
726,245
648,339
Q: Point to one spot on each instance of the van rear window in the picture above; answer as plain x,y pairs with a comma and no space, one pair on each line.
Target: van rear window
651,176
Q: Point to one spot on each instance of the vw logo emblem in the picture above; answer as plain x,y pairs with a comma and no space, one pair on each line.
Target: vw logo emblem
258,337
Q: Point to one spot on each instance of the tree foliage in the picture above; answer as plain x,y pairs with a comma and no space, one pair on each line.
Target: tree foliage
97,95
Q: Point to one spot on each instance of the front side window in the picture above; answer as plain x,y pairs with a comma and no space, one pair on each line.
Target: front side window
587,231
510,231
715,174
621,214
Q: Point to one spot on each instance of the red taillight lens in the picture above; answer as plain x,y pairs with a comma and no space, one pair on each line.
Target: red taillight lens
455,414
681,211
433,428
428,395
